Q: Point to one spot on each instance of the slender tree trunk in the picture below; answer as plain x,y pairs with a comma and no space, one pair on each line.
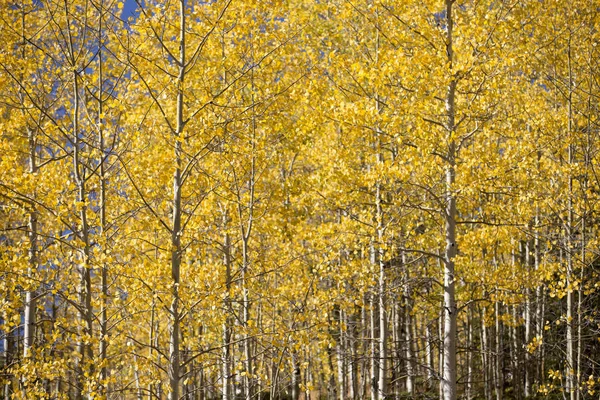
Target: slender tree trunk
30,295
395,354
151,388
579,307
539,301
331,384
429,355
415,348
450,311
246,319
374,350
85,285
514,348
485,358
351,339
340,355
570,359
295,377
408,331
527,312
173,368
380,252
441,364
365,343
102,209
136,376
228,324
307,376
246,231
7,344
32,225
227,390
585,184
499,373
469,354
382,384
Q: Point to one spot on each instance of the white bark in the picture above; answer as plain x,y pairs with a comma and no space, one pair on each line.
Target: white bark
408,330
374,355
30,296
228,324
527,365
351,343
570,359
341,357
85,284
499,370
381,301
295,377
173,368
469,388
429,354
102,208
450,311
485,358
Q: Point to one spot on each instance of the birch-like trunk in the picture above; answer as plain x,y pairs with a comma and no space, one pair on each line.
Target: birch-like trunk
570,359
102,207
429,355
469,355
295,376
527,312
246,231
228,324
352,364
515,355
7,344
30,295
85,283
364,333
441,353
381,300
499,370
374,349
485,358
450,310
539,301
340,354
32,226
408,322
396,351
173,368
380,253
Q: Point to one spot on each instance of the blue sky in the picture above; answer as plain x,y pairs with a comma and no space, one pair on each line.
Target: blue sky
129,9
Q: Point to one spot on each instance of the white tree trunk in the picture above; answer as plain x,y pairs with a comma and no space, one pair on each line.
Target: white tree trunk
408,330
173,368
499,370
228,324
450,310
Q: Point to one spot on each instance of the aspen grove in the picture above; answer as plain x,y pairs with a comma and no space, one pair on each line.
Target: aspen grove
287,199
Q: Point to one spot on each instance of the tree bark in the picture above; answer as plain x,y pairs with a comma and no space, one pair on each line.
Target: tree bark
485,358
570,359
228,324
85,284
499,370
374,350
450,311
408,331
102,208
32,225
173,368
